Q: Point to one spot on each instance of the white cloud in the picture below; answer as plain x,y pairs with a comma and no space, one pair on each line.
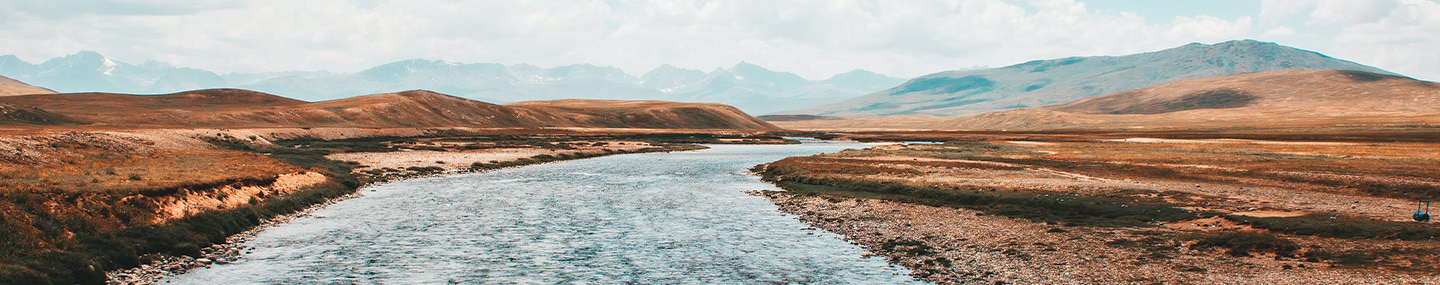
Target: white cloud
1280,31
1397,35
1351,12
1405,41
814,38
1208,28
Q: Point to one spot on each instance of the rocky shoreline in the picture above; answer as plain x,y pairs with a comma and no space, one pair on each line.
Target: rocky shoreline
231,251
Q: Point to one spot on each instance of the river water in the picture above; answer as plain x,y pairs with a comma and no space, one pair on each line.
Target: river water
642,218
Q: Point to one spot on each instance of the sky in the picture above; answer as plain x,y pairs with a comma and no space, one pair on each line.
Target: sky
812,38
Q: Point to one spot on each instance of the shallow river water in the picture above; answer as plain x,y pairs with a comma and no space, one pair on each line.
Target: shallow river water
643,218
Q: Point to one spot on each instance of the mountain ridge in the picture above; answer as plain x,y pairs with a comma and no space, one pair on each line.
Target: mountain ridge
1042,82
1292,99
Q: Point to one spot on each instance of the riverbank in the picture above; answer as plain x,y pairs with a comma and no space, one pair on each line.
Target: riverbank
439,156
79,204
1063,209
651,218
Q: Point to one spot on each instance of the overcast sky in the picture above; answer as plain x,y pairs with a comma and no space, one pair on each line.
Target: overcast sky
815,39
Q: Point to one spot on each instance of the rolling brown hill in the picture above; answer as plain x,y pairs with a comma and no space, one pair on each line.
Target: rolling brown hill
1276,99
646,114
417,108
11,87
192,108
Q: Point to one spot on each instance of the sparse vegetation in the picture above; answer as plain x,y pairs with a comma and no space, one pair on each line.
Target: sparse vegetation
1316,198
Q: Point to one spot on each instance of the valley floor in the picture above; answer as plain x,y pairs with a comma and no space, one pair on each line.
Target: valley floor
1071,208
77,203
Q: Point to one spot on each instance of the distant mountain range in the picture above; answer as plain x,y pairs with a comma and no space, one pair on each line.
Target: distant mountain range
1043,82
751,88
1285,99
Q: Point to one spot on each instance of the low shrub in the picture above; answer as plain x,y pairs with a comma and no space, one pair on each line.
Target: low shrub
1241,244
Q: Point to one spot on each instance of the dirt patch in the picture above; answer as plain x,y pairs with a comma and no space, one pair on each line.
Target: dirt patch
1207,224
232,196
456,160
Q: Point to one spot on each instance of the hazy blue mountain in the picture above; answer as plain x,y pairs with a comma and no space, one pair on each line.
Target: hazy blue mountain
10,65
861,79
668,78
751,88
759,78
758,90
87,71
1043,82
252,78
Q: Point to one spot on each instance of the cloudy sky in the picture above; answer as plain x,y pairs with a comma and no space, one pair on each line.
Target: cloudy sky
815,39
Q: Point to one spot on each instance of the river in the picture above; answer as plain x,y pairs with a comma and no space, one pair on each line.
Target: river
642,218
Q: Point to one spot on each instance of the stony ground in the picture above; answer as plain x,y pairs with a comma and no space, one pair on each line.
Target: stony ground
959,246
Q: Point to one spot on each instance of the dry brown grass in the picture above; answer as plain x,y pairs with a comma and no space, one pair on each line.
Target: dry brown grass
84,162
